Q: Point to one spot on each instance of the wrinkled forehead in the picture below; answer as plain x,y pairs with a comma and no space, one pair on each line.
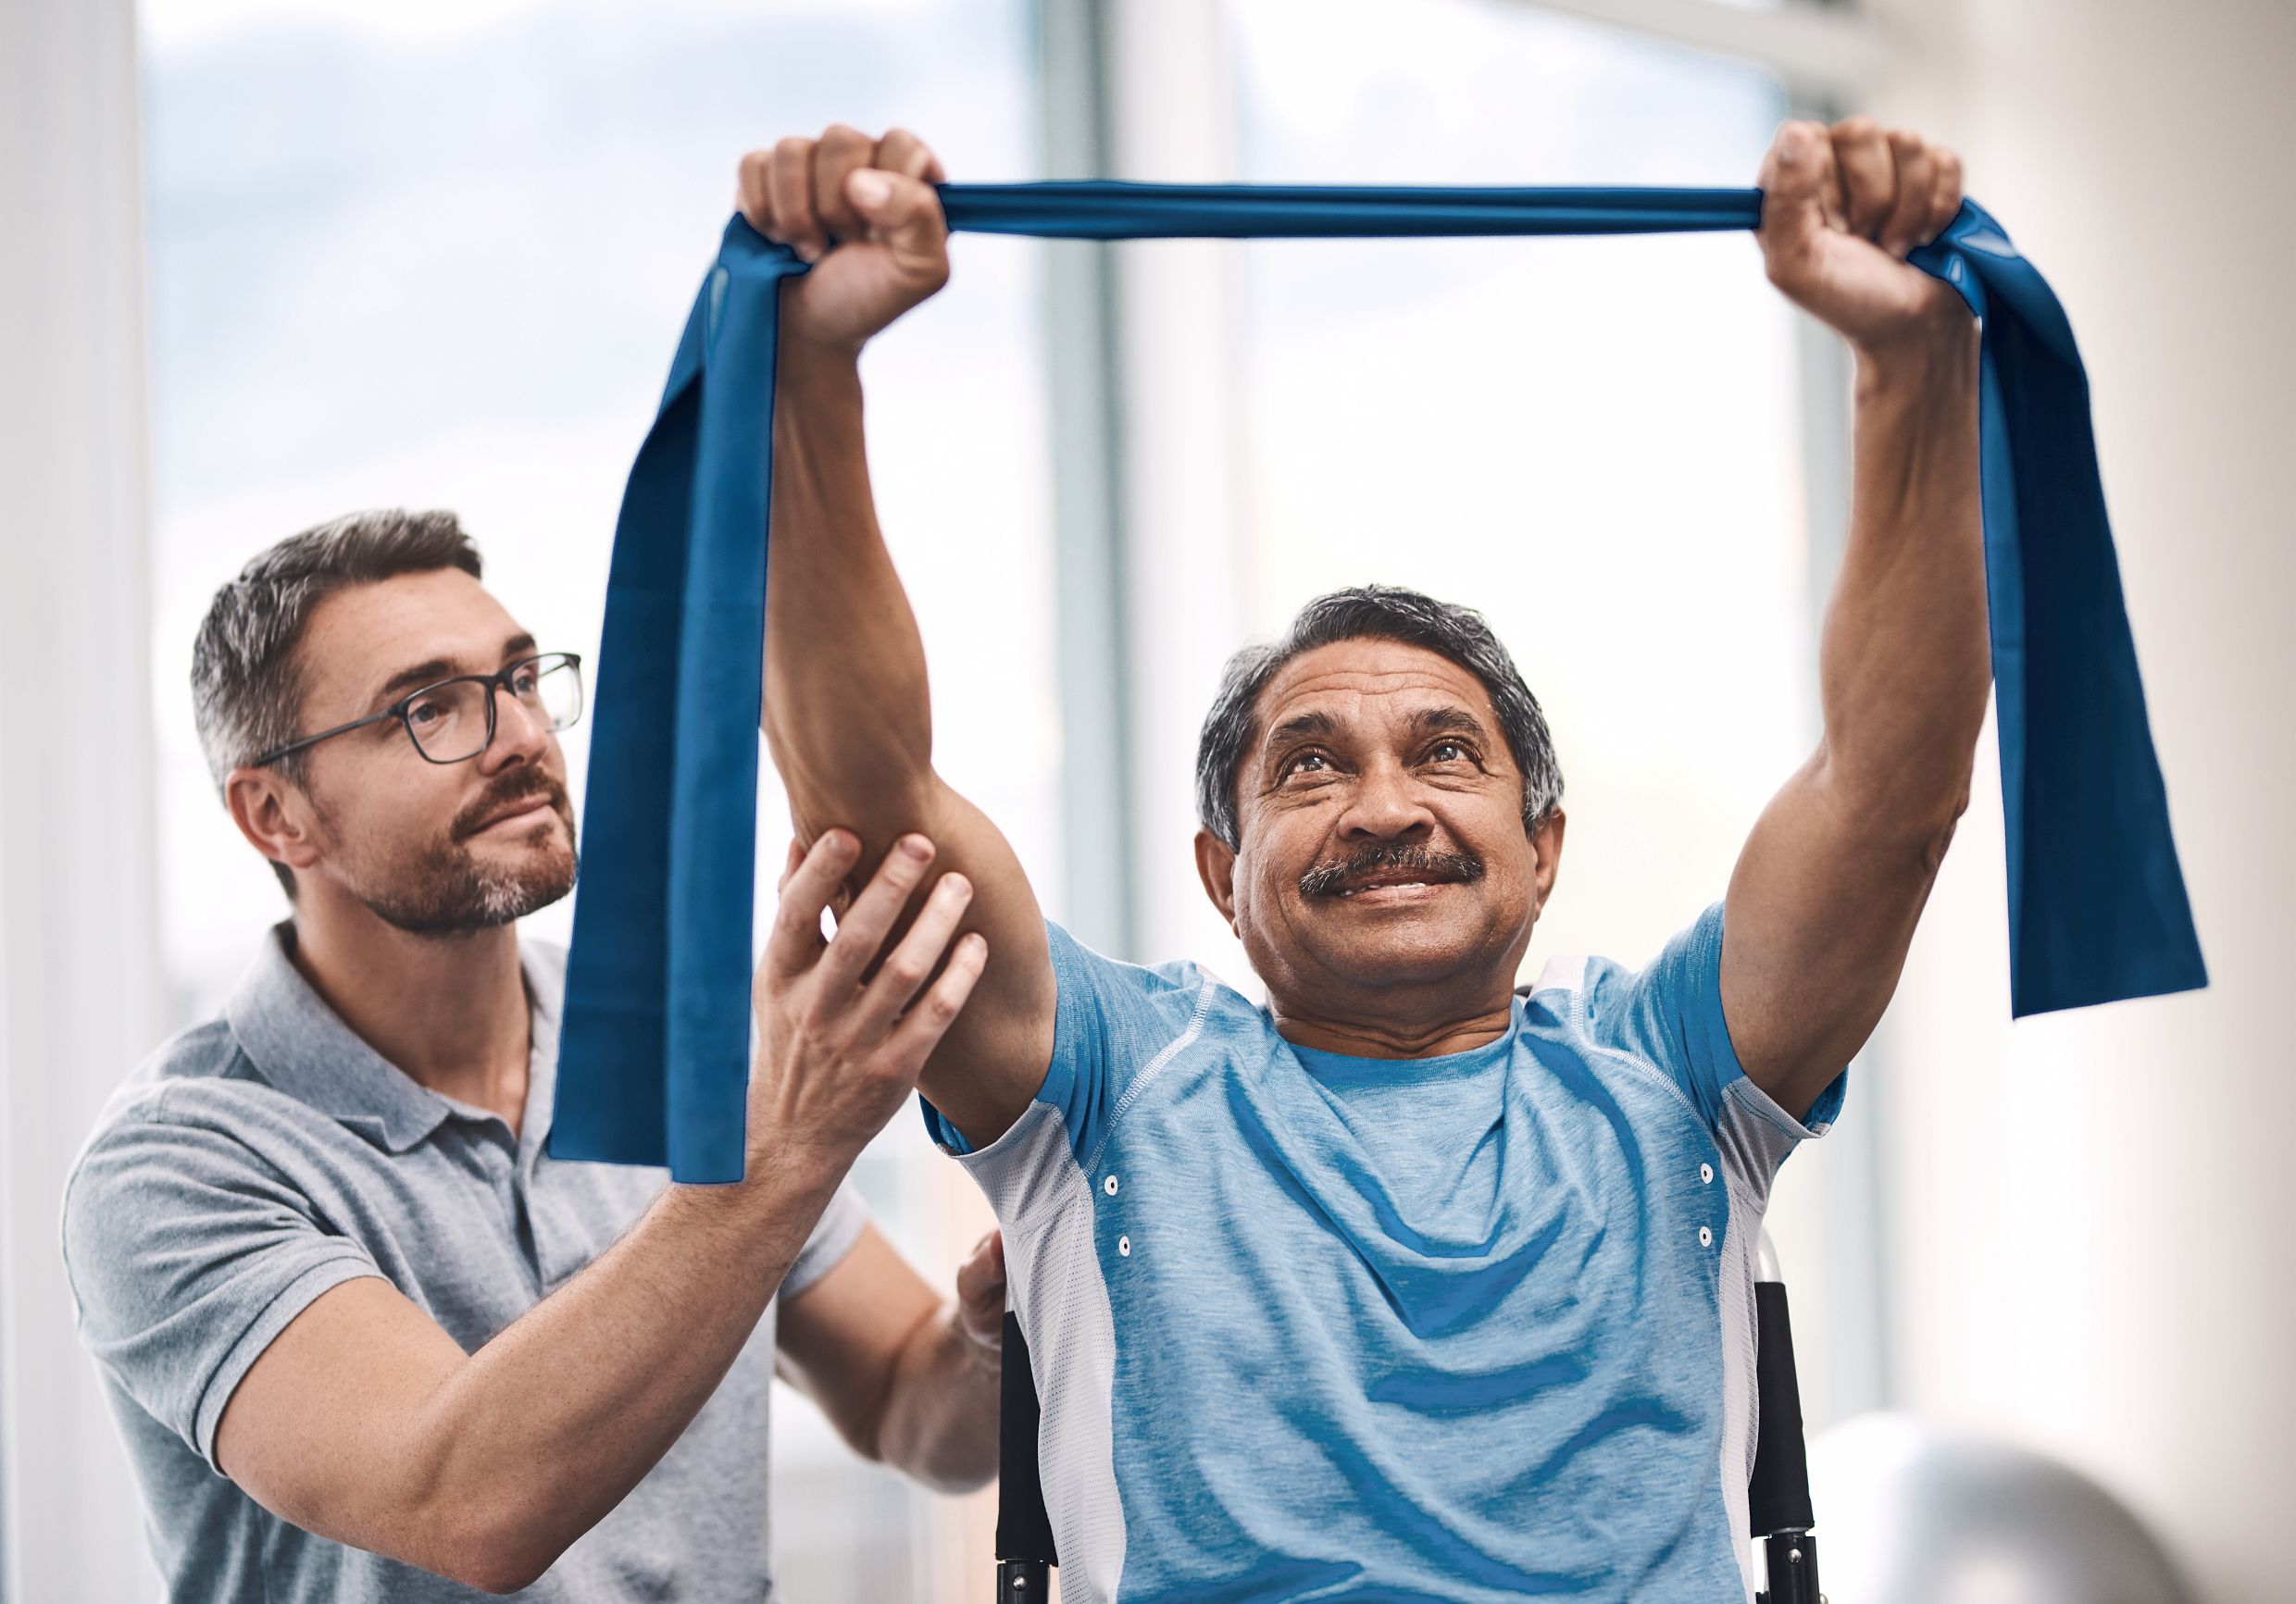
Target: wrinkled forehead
1372,689
366,642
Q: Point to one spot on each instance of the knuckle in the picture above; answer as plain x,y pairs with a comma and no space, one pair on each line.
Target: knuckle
1858,128
792,149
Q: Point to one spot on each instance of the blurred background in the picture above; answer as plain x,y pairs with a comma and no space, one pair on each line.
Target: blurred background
267,262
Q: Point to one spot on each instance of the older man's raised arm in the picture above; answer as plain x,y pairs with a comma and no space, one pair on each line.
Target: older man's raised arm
847,712
1823,901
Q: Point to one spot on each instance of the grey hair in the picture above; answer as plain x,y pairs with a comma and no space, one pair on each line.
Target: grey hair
246,683
1381,613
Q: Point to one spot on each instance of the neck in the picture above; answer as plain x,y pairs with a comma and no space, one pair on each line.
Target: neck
1401,1033
450,1013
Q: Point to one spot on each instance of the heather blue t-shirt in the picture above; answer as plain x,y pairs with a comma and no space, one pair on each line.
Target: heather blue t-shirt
1459,1328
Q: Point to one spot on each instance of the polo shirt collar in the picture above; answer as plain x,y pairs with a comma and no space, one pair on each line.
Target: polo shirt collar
302,1047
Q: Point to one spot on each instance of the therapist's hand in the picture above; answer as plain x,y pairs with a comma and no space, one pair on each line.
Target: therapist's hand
981,1291
1841,207
863,211
843,1033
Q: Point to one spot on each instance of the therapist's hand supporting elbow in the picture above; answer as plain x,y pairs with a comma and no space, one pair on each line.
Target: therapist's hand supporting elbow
365,1421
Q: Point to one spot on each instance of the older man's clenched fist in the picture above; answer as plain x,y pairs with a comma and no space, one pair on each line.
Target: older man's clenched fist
1840,209
862,210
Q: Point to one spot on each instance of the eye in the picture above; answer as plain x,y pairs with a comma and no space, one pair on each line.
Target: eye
522,682
427,711
1299,762
1451,751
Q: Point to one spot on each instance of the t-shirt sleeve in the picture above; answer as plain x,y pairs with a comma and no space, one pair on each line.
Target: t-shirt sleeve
187,1254
1110,1020
1670,1016
833,1237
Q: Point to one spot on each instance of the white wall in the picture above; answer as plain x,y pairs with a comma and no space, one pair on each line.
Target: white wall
80,999
2092,1217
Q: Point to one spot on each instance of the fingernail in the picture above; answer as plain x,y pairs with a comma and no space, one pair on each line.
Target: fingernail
808,252
869,189
957,884
838,844
916,847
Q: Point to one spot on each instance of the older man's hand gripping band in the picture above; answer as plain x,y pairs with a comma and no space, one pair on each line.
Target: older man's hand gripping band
2096,903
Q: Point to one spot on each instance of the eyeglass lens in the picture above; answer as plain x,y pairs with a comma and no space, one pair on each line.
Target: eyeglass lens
449,721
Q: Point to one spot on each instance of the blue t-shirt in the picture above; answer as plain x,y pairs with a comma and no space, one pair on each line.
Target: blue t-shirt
1460,1328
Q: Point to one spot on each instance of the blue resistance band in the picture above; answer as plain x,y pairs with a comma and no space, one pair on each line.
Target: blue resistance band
654,1052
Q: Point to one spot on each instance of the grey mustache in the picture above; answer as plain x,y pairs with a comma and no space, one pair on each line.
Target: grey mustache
1329,877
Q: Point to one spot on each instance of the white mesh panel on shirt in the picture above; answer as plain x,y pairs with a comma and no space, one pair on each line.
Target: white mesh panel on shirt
1043,1204
1740,1398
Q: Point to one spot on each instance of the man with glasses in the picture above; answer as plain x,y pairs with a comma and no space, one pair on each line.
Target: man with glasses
365,1339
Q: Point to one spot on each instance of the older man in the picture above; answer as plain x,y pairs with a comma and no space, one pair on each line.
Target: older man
364,1338
1404,1286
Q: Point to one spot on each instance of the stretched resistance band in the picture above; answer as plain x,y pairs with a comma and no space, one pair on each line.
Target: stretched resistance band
654,1044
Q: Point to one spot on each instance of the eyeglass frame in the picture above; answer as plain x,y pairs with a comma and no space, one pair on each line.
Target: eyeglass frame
495,682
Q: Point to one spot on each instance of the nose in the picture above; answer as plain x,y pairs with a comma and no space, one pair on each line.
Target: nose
521,732
1386,806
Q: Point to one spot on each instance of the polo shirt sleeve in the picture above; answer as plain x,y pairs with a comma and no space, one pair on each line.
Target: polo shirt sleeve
833,1237
1110,1021
1670,1016
186,1254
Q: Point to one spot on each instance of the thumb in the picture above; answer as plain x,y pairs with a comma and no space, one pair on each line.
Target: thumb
1800,189
902,213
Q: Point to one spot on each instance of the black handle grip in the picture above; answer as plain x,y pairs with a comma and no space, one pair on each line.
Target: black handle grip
1777,1498
1024,1532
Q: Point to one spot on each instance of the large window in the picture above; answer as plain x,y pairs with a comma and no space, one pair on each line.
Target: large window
439,255
414,251
1594,440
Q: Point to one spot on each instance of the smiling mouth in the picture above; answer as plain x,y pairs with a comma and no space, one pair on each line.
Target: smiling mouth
1401,888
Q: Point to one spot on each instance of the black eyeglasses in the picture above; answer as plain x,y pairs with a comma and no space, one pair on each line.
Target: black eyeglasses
453,720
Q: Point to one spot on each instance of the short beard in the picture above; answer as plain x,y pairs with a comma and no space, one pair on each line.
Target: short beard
445,891
1328,878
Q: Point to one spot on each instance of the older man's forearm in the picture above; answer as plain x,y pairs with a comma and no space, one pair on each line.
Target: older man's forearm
847,708
941,1412
1904,664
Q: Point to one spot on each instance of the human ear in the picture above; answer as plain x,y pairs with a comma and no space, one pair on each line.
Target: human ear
271,815
1546,854
1216,866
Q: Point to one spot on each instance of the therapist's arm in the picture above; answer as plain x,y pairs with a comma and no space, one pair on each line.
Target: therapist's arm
366,1422
907,1376
1826,895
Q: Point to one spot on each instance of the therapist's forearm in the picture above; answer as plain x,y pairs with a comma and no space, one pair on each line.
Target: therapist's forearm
942,1408
547,1427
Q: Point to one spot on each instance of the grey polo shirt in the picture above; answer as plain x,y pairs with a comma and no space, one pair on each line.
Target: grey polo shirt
267,1155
